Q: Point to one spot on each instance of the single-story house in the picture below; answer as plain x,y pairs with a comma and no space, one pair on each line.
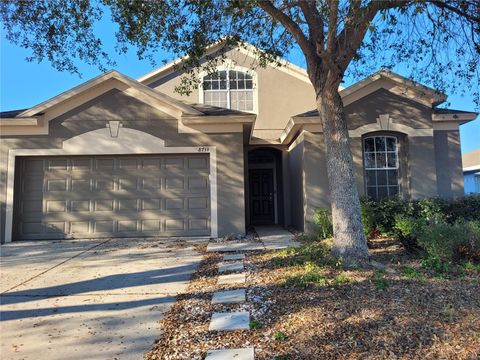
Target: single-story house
121,157
471,172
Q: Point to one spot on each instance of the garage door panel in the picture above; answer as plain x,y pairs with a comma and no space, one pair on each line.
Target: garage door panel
76,197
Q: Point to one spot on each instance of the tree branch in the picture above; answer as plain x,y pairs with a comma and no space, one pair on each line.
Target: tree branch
290,25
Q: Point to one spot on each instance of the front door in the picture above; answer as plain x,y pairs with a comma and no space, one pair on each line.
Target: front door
261,197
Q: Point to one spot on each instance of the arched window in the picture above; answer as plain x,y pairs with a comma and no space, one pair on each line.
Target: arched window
381,166
229,89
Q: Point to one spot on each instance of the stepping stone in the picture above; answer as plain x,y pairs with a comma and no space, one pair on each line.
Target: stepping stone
231,354
231,279
229,297
234,246
231,267
234,257
230,321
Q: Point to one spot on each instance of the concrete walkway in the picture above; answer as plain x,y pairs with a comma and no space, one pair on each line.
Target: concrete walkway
271,238
88,299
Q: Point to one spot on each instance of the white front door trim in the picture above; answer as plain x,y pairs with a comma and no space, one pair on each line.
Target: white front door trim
99,142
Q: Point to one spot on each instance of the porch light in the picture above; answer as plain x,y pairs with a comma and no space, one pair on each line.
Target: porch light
114,126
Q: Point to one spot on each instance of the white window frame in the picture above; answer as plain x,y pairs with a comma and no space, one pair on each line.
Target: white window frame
230,66
396,167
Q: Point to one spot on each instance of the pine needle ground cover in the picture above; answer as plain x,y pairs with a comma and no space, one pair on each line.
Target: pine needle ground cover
305,305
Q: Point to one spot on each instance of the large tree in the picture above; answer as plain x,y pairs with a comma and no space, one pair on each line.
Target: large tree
439,40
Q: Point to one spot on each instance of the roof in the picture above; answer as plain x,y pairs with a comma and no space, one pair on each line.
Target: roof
471,160
245,48
450,111
210,110
11,113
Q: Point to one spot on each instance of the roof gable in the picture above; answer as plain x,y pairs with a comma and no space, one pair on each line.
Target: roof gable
101,84
245,49
394,83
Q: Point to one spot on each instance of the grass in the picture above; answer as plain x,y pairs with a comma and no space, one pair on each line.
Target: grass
279,336
411,273
379,280
255,325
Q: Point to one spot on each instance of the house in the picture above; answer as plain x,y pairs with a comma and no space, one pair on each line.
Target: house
471,171
121,157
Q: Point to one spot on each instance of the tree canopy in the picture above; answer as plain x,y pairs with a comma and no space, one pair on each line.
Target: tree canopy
438,41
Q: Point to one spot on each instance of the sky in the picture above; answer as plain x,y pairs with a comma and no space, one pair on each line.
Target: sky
24,84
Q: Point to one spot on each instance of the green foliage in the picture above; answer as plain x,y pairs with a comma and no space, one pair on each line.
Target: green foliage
282,357
472,267
407,229
341,279
444,241
323,223
279,336
386,216
438,266
379,280
255,325
412,273
317,252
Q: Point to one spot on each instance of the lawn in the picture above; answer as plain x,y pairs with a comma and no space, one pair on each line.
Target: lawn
304,305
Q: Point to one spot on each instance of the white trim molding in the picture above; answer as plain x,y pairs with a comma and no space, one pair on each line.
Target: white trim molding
99,142
384,123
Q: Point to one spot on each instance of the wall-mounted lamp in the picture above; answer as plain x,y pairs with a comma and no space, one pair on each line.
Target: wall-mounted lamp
114,126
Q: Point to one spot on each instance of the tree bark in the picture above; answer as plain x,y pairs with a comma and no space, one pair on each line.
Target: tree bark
349,239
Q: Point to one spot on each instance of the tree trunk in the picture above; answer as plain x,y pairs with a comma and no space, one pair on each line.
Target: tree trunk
349,239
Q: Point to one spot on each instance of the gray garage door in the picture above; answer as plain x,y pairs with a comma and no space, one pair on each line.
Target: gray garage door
102,196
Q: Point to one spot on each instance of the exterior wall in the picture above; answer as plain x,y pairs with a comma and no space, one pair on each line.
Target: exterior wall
401,110
297,179
448,163
470,179
317,193
136,115
280,95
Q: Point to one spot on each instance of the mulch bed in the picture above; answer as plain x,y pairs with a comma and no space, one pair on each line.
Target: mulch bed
410,318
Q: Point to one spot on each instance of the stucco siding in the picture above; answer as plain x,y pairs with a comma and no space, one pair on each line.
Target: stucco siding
422,174
317,192
297,178
400,110
280,95
139,116
448,163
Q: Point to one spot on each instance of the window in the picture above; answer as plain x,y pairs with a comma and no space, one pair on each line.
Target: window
229,89
477,183
381,166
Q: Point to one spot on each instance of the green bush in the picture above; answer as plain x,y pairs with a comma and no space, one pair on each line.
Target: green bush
323,223
444,241
380,217
407,230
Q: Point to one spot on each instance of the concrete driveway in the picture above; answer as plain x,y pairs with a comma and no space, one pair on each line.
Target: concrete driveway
88,299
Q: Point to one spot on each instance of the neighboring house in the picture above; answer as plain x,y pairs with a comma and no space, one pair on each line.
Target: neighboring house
471,171
122,157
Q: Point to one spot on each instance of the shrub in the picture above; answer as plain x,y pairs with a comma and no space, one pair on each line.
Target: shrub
407,229
444,241
368,217
323,223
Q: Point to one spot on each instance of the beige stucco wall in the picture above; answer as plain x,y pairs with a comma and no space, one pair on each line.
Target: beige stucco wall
297,180
430,165
281,95
448,163
134,114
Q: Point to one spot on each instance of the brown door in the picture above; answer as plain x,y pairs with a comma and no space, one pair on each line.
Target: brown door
261,197
120,196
